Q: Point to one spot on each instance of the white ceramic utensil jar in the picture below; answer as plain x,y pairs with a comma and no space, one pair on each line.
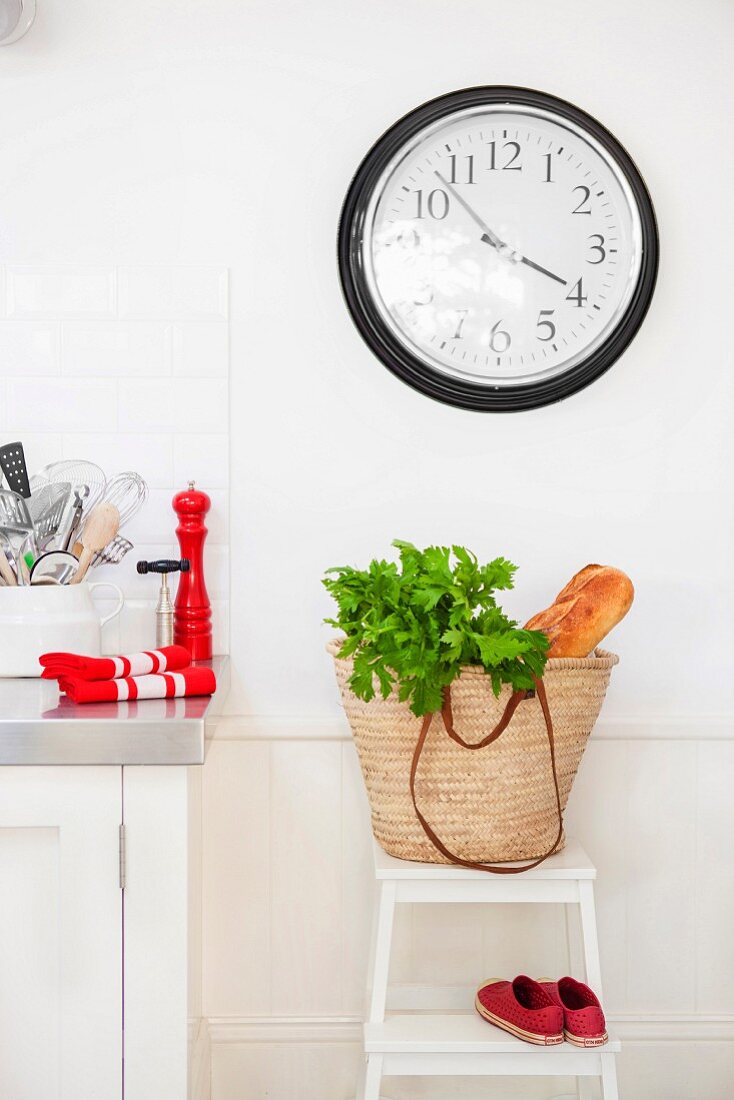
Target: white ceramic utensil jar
42,618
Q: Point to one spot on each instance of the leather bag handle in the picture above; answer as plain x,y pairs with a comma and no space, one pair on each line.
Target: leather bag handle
515,699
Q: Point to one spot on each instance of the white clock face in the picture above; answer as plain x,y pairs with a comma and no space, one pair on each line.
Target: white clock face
502,245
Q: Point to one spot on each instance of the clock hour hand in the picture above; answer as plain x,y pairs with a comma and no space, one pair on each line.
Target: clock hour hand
489,236
518,258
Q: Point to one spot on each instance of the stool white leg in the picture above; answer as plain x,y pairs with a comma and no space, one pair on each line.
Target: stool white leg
383,943
590,936
576,965
609,1077
373,1077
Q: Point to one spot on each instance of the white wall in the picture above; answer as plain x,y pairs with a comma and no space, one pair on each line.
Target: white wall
126,367
224,134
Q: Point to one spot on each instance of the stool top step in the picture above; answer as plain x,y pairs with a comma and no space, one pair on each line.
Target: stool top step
570,863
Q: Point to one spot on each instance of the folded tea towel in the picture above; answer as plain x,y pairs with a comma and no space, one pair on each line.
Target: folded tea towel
195,680
169,659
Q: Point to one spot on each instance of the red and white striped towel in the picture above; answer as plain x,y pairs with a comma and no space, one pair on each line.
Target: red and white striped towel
168,659
195,680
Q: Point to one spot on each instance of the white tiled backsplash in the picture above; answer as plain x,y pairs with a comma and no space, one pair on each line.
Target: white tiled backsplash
127,367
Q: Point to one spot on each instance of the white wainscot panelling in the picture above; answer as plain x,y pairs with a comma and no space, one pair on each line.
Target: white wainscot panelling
287,911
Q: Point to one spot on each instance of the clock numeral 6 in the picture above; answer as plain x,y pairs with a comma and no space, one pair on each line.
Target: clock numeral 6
499,340
576,294
598,248
548,325
510,165
437,204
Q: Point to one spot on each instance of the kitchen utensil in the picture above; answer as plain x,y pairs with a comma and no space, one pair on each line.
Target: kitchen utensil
46,618
164,607
101,527
6,570
85,477
77,471
113,553
46,508
17,526
128,492
12,463
37,482
72,520
56,567
26,557
192,621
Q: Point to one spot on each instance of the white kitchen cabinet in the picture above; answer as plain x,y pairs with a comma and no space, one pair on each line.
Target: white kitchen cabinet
60,934
100,897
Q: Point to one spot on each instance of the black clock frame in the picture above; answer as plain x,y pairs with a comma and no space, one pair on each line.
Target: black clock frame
383,341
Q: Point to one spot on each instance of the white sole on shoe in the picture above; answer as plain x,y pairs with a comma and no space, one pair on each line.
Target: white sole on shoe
513,1029
586,1040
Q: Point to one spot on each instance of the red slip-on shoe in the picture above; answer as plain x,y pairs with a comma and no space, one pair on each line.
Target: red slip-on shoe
523,1008
583,1020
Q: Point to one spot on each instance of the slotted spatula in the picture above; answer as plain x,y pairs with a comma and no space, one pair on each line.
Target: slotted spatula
46,508
12,463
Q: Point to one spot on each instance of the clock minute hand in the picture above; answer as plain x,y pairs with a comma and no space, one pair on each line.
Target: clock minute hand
489,236
542,270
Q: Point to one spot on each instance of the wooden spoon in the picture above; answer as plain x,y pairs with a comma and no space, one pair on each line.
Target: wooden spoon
6,571
100,528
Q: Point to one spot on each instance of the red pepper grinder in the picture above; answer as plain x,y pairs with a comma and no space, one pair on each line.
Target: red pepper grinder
192,618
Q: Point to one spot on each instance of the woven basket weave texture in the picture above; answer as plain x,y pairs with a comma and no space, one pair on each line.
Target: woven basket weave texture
496,804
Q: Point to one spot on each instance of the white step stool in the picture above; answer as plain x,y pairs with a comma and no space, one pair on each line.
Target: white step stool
451,1039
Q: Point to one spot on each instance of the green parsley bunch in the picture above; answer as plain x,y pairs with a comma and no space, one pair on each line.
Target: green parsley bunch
415,624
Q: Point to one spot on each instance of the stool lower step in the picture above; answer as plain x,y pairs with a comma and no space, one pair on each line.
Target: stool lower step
461,1033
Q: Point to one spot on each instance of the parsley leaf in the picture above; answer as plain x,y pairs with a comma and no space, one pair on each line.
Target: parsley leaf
414,625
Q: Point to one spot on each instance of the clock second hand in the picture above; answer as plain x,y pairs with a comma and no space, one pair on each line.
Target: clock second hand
491,238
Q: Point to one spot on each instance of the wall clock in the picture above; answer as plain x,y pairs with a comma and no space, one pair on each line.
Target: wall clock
498,249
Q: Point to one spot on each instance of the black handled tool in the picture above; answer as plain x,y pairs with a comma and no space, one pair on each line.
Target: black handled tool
164,607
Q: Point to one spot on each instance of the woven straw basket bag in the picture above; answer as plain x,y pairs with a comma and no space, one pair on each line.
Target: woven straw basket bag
435,801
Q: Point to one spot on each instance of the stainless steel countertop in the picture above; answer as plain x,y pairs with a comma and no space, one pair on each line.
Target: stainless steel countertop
39,726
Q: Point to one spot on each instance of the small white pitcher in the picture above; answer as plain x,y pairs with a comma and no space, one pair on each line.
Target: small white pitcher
42,618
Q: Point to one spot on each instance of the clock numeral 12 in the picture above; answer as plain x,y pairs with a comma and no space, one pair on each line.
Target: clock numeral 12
469,169
438,207
510,165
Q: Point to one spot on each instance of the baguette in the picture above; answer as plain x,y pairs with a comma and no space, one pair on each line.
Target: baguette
584,612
